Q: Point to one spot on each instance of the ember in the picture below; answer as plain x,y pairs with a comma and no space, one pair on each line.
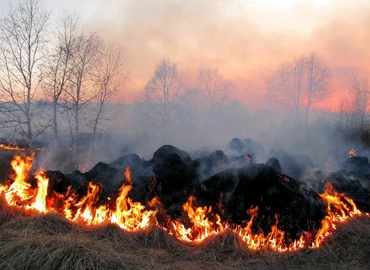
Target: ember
18,148
352,153
265,208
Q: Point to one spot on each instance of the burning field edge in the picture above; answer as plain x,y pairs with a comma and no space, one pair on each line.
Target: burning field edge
40,229
49,241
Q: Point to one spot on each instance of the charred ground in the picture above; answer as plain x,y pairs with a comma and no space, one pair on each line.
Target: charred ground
232,182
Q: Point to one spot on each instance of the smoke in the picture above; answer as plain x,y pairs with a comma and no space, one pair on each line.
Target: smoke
245,39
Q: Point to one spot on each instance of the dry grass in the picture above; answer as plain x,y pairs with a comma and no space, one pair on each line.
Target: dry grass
51,242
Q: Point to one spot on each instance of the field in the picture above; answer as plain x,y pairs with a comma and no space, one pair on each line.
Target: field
36,241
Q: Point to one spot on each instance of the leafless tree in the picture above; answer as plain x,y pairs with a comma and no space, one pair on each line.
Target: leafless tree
159,99
191,102
23,37
216,88
285,86
59,68
359,97
109,78
317,85
299,83
80,93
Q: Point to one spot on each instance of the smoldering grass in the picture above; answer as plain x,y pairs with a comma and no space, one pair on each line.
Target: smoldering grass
49,241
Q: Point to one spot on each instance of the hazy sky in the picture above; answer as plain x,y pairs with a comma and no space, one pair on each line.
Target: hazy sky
244,39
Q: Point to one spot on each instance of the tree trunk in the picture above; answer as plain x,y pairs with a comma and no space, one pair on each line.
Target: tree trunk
94,130
77,128
298,117
55,123
306,114
29,133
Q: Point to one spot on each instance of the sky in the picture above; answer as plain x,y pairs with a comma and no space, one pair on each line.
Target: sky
246,39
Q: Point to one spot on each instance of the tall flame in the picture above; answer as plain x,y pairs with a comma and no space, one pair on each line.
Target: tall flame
20,190
201,226
197,224
42,191
131,215
339,209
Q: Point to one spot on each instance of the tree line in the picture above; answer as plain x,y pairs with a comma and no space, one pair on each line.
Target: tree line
82,78
59,63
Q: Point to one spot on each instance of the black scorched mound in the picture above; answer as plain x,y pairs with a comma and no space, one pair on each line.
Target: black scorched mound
231,185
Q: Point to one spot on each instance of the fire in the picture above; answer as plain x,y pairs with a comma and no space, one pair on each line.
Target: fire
130,215
11,147
340,208
127,214
42,191
20,190
197,224
274,240
201,228
352,153
18,148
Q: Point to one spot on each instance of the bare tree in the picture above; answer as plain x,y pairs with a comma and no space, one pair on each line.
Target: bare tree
191,102
359,97
23,37
109,79
59,67
300,82
285,86
317,85
80,93
159,99
216,88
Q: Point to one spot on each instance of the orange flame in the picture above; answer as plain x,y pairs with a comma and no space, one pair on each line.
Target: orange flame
201,228
42,191
11,147
198,223
130,215
17,148
352,153
340,208
20,190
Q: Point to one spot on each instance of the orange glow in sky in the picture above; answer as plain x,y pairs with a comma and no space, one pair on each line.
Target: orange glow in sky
245,39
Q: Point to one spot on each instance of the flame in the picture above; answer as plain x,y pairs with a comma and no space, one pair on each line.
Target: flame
11,147
20,190
18,148
339,209
197,224
274,240
352,153
127,214
130,215
42,191
201,226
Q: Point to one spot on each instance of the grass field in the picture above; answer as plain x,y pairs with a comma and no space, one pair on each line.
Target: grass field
34,241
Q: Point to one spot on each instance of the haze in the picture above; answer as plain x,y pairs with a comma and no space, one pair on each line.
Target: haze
244,39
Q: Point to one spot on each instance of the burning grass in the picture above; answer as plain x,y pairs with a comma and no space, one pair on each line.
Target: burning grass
66,232
49,241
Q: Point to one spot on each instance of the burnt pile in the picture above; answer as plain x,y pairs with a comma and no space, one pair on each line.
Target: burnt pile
284,190
284,202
